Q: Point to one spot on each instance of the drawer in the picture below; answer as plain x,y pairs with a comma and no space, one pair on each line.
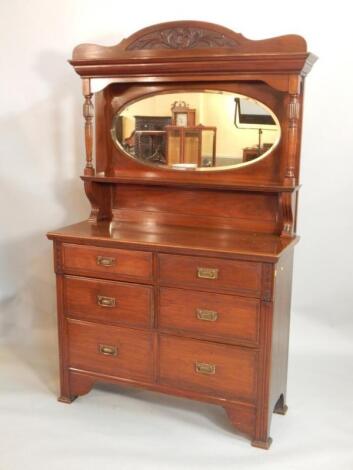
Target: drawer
210,368
111,350
211,273
109,263
108,301
217,315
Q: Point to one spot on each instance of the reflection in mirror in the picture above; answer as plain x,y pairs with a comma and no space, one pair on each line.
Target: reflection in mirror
250,115
196,130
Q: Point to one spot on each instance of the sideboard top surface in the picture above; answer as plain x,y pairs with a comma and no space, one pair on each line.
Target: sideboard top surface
178,239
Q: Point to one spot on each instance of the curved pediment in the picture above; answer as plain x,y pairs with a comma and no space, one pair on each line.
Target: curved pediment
193,47
183,35
189,35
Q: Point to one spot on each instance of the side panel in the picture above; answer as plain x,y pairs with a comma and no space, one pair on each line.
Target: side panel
280,335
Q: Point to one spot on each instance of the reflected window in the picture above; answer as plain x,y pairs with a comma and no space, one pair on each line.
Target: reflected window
253,117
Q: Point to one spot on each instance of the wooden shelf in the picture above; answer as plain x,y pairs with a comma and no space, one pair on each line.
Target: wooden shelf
270,187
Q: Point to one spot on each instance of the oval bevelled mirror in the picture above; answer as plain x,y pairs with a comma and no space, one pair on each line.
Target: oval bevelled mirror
203,130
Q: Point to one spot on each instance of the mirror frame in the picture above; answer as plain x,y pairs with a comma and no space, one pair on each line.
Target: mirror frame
120,148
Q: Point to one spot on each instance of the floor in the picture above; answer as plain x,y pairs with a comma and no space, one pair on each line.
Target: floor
114,427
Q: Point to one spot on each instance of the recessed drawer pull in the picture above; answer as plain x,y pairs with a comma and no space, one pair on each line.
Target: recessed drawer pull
206,315
204,368
207,273
107,350
105,261
104,301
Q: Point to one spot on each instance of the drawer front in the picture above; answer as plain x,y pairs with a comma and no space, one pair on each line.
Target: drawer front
111,350
108,301
107,262
211,273
216,315
214,369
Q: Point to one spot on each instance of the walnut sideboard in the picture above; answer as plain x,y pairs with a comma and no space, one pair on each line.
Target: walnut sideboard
180,279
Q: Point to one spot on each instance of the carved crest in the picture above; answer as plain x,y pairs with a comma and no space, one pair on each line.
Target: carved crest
182,38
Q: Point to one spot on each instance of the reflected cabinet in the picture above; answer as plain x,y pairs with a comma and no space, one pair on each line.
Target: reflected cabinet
185,147
179,281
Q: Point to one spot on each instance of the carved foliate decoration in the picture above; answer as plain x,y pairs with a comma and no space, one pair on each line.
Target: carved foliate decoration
182,38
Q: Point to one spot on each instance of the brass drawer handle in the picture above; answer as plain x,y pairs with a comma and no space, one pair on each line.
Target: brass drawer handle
207,273
204,368
104,301
206,315
105,261
107,350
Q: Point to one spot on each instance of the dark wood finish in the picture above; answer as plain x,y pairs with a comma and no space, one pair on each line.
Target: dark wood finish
233,376
268,170
280,340
180,281
65,394
108,301
146,234
234,276
107,262
236,210
218,317
245,55
214,184
100,198
132,356
88,114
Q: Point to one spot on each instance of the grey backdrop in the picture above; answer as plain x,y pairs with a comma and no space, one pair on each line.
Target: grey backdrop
42,157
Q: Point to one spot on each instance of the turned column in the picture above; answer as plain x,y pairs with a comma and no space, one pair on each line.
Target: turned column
293,115
88,114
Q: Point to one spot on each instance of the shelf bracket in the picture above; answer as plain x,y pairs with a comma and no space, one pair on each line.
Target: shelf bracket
287,201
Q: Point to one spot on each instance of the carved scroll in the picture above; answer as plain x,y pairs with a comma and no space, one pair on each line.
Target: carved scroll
88,114
182,38
100,199
287,208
